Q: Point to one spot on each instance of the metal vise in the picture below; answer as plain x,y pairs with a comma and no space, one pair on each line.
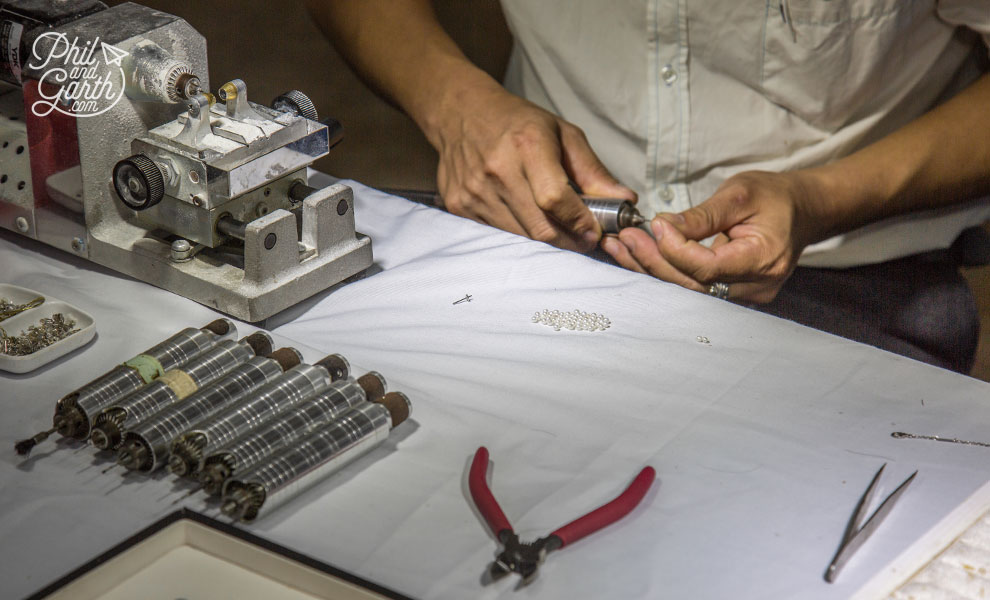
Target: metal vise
112,148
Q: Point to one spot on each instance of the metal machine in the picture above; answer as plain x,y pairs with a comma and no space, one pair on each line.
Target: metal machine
112,148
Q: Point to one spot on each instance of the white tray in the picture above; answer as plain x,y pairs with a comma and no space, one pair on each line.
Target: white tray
20,322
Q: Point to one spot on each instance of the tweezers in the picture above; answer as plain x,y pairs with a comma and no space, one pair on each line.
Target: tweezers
857,532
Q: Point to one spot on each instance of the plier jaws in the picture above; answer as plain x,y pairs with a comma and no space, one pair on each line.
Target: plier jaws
520,557
525,558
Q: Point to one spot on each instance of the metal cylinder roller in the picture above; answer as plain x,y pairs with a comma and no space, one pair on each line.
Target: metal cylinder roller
174,385
286,427
289,389
145,447
75,411
320,453
226,392
613,214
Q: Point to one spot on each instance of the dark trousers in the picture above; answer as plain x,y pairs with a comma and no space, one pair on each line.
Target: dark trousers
919,306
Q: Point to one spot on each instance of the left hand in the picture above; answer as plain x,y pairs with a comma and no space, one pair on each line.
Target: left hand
762,222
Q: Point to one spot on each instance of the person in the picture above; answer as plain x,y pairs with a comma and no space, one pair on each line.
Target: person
850,137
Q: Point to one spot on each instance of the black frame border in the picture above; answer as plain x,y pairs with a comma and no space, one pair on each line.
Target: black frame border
226,528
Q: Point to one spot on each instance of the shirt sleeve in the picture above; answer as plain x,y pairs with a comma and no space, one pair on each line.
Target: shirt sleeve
972,14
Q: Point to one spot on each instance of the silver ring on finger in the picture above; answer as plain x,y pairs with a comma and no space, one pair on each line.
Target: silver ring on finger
719,290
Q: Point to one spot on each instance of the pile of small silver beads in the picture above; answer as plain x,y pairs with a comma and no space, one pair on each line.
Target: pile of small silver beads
576,320
50,330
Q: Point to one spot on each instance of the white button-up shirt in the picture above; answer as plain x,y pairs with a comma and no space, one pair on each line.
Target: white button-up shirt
675,96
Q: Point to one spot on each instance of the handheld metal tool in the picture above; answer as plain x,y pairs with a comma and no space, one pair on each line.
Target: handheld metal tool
320,453
75,412
613,214
860,528
525,558
292,387
285,427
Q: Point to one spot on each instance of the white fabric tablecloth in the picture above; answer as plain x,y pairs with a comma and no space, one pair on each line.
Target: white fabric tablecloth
763,439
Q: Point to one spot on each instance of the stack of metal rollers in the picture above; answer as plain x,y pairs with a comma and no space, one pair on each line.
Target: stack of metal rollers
226,358
254,426
75,412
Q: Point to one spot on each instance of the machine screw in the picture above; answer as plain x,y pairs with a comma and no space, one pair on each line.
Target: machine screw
197,200
22,224
79,245
181,250
169,171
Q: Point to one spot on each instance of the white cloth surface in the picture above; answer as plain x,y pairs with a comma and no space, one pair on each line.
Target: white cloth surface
763,439
678,96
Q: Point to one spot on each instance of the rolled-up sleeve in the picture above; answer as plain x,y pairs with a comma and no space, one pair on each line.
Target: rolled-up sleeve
971,14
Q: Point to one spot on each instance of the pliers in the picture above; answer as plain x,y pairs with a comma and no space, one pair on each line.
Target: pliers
525,558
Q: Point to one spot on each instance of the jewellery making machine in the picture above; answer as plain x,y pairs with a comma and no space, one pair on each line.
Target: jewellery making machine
113,149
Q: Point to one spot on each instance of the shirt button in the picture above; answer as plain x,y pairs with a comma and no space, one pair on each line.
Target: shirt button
666,194
668,74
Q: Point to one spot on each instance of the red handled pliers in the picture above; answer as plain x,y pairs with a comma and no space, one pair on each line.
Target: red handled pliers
525,558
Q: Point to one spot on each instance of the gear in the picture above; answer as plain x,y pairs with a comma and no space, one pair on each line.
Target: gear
176,84
297,103
138,182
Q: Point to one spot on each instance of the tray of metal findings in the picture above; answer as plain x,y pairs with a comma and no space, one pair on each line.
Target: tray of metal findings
36,329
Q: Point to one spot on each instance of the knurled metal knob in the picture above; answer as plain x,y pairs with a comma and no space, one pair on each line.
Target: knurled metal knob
297,103
138,182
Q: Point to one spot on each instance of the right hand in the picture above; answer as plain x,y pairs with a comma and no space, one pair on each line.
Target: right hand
506,162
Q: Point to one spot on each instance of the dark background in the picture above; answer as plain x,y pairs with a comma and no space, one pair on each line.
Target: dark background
274,46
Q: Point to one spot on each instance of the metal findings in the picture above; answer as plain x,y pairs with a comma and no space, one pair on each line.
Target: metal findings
50,330
576,320
9,309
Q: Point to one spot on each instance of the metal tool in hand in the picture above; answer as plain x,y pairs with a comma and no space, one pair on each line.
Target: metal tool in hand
860,528
525,558
613,214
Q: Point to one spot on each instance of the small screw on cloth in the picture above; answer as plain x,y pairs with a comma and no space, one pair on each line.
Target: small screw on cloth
466,298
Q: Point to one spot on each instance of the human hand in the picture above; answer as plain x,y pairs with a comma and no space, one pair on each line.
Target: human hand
762,222
506,162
